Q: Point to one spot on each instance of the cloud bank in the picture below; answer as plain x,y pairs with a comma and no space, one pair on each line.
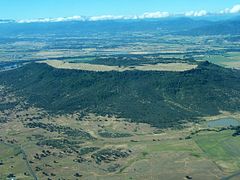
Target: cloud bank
196,13
154,15
235,9
59,19
148,15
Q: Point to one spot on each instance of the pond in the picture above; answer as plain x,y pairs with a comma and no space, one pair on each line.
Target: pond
224,122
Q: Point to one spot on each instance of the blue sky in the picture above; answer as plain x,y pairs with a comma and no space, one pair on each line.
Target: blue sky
30,9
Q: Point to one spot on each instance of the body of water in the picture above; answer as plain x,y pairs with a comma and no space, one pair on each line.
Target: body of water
224,122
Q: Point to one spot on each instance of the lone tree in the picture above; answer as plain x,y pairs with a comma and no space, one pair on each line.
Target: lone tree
11,176
77,175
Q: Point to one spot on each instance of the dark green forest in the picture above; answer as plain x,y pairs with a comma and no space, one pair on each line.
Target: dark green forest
162,99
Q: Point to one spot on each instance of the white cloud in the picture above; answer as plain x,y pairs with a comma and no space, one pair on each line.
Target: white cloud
97,18
196,13
143,16
147,15
59,19
104,17
233,10
154,15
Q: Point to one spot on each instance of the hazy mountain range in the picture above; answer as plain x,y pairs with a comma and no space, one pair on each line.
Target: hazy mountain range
209,25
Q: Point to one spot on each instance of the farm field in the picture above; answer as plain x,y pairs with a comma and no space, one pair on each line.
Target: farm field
221,147
229,60
175,67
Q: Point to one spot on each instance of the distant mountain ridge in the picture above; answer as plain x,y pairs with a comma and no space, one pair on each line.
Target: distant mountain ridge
162,26
176,26
227,27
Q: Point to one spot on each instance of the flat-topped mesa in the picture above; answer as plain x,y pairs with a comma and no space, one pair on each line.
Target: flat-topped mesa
160,98
175,67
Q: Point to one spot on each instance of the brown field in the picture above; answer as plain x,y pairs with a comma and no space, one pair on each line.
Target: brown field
102,68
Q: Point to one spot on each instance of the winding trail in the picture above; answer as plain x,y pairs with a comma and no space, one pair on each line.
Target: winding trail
236,174
24,158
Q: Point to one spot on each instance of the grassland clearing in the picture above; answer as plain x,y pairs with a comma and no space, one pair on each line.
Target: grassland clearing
222,148
13,162
230,60
103,68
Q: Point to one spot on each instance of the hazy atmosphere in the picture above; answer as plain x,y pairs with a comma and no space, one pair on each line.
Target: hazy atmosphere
33,9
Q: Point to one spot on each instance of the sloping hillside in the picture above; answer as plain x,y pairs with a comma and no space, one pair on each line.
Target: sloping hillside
162,99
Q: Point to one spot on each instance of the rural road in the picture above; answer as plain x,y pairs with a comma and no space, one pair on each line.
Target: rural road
24,158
